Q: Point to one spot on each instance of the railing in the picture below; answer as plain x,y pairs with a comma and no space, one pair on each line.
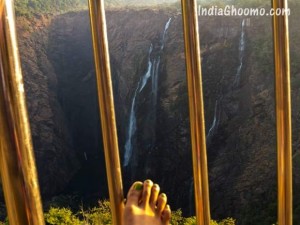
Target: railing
17,164
107,109
283,114
197,121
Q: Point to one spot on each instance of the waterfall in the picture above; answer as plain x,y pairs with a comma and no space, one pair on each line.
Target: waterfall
131,131
132,118
241,55
153,72
215,122
156,64
164,34
147,75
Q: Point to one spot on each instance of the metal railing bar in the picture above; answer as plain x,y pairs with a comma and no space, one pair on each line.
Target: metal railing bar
107,111
283,114
197,121
17,163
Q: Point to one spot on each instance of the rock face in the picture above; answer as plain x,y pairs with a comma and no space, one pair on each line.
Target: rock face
56,159
240,119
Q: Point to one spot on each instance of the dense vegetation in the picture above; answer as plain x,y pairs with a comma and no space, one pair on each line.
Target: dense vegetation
30,7
101,215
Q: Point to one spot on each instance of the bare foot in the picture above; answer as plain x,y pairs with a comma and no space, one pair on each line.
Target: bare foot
145,206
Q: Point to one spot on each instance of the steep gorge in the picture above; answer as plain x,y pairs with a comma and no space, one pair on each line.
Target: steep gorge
240,120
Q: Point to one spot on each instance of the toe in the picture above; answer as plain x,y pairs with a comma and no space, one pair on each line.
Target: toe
154,195
147,187
166,215
134,193
161,203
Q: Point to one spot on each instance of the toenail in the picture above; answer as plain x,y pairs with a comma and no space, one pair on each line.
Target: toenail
163,195
138,187
148,181
156,186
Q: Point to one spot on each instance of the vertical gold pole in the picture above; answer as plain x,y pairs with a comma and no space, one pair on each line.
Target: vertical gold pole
106,104
283,114
197,122
17,164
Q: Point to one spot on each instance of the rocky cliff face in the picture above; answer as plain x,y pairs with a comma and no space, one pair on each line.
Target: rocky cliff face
239,107
52,138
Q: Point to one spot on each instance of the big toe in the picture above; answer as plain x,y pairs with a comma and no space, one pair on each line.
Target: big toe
135,193
166,215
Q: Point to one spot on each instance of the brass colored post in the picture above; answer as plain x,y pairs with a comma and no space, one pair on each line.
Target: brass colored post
17,163
283,113
197,121
107,111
